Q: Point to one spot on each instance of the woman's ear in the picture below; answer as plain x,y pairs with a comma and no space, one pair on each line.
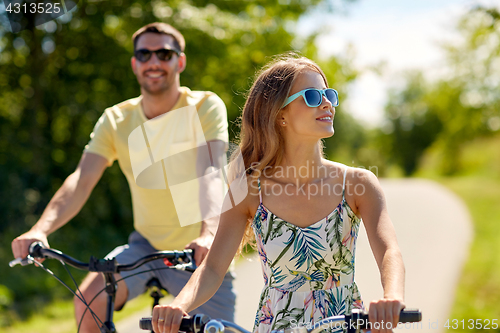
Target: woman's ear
282,119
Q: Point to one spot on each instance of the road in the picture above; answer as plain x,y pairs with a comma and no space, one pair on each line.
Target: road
434,231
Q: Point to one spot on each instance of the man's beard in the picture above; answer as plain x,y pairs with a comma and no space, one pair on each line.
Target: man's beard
157,89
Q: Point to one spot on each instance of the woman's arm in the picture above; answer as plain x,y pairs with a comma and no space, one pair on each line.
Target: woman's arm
382,237
209,275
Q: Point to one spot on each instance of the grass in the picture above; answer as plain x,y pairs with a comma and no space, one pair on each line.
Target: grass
58,317
478,291
478,185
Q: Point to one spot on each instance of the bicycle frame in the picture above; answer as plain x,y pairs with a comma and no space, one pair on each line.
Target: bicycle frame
182,260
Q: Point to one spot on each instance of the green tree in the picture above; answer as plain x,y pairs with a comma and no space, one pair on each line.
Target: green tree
413,123
56,80
450,111
472,91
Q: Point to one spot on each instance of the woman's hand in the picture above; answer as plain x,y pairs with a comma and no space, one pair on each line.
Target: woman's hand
167,318
384,314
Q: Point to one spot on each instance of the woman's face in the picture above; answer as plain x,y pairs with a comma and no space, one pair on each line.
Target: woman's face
302,120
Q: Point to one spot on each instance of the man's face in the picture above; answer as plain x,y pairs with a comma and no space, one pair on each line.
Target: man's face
156,76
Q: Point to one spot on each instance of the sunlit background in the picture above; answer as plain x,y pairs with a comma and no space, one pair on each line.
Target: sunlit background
388,38
419,92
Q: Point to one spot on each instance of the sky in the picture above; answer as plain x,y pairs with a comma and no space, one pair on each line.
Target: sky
392,36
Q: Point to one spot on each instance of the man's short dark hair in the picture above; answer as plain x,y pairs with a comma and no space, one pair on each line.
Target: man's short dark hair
161,28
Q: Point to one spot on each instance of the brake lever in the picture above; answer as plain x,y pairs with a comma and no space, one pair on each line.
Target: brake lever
181,263
22,261
192,264
34,252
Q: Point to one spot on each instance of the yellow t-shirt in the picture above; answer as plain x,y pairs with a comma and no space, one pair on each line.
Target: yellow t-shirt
124,133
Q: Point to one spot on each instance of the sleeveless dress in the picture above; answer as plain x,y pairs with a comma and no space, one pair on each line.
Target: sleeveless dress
308,272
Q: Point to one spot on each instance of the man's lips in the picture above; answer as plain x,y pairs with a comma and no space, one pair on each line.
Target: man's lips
154,75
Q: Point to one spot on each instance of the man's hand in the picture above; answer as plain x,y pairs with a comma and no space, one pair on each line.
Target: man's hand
200,246
21,244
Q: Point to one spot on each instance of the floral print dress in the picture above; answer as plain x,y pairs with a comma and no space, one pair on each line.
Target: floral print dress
308,272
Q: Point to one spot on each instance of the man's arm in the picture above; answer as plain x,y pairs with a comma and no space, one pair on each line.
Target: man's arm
210,197
65,204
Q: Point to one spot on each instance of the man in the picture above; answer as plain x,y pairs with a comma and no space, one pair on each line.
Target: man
157,63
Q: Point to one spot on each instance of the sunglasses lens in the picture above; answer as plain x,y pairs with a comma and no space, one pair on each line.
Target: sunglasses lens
332,97
143,55
164,54
313,97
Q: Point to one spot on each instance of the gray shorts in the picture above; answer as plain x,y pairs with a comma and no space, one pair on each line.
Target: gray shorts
221,305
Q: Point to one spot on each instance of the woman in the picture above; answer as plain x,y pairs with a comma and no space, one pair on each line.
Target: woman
304,211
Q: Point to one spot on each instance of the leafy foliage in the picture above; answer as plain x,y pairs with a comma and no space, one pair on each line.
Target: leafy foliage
414,123
455,109
56,80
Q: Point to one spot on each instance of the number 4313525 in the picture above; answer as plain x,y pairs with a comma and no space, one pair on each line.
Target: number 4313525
485,324
34,8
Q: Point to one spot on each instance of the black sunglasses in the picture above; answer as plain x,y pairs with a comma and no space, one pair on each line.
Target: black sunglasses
144,55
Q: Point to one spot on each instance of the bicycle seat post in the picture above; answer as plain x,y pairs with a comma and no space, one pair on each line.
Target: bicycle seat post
156,290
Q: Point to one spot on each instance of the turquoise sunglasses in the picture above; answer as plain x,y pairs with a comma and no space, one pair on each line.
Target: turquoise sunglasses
314,97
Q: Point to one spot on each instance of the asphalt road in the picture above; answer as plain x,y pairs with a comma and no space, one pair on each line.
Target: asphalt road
434,231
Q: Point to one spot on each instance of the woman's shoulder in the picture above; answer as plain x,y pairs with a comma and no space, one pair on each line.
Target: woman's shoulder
352,173
333,166
244,190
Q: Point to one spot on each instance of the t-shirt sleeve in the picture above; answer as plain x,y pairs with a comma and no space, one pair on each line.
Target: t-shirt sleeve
213,118
101,139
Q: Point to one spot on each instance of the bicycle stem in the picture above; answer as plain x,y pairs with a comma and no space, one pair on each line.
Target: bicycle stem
111,286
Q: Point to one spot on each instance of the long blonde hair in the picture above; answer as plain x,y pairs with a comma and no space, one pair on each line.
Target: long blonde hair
261,140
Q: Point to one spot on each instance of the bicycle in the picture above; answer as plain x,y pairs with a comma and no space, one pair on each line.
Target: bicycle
182,260
353,323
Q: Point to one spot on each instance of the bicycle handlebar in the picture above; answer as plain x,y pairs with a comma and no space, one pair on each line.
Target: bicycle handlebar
197,324
181,259
203,323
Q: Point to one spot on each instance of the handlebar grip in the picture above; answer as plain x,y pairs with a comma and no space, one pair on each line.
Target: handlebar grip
187,324
35,249
410,316
146,324
406,316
